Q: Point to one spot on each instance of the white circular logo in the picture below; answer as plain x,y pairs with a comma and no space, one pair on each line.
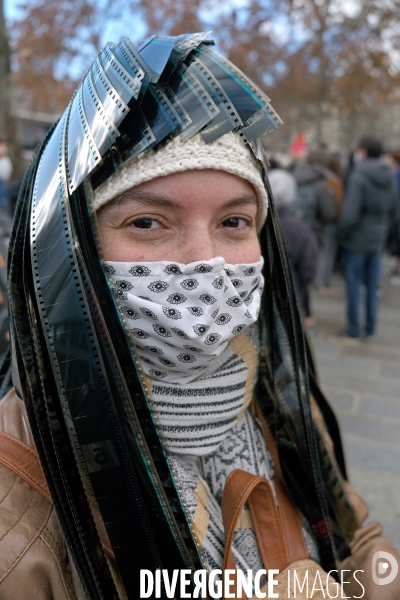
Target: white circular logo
382,567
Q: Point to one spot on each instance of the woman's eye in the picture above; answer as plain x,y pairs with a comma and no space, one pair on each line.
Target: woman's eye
235,222
145,223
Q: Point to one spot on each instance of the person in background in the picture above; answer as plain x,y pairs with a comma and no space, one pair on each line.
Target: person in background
300,241
393,158
371,205
315,201
348,169
329,245
5,173
5,229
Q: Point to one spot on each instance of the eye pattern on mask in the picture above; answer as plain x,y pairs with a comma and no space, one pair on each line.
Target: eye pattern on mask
122,287
154,349
146,360
180,333
149,313
139,271
195,310
249,271
218,282
189,284
166,362
203,268
139,333
212,338
207,299
248,300
229,272
248,315
163,331
157,374
109,269
185,357
176,298
238,329
158,286
172,270
242,294
171,313
237,283
192,348
200,329
223,319
130,313
234,301
214,314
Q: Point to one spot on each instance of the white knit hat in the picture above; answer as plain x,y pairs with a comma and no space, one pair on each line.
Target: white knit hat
228,153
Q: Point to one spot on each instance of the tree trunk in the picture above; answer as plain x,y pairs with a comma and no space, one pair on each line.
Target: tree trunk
8,125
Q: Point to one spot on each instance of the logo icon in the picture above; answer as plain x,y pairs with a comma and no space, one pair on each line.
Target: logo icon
380,568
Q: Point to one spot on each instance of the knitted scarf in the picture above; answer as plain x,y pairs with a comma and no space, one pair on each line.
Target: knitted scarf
208,431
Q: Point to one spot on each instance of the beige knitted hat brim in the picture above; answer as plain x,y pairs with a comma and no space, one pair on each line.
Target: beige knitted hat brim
229,153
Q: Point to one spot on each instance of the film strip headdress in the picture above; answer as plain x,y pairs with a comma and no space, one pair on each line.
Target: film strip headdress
72,362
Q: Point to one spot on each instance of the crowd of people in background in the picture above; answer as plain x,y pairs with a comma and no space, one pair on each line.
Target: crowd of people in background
340,214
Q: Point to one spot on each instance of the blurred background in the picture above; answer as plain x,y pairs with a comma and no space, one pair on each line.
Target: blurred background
332,67
332,70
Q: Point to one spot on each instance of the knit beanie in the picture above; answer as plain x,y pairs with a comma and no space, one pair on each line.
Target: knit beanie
228,153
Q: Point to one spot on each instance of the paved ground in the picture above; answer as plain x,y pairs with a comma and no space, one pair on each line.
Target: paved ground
362,381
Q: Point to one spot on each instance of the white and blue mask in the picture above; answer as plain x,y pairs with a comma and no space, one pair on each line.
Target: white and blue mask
181,316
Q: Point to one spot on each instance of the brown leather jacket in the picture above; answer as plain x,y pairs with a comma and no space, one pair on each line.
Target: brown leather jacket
34,561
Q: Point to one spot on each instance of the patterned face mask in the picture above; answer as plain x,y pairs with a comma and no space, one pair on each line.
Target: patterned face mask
183,316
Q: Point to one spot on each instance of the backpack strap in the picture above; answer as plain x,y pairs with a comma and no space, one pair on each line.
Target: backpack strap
24,461
242,487
290,517
276,521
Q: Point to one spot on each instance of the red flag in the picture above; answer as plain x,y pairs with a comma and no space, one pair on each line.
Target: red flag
298,147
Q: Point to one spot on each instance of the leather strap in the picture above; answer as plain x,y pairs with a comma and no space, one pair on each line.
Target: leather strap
24,461
242,487
290,518
277,524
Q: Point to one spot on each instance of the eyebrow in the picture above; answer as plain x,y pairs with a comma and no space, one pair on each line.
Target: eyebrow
151,199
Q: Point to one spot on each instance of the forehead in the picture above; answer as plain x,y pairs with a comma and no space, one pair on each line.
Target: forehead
183,188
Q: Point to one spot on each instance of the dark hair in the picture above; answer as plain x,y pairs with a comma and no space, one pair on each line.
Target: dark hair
371,145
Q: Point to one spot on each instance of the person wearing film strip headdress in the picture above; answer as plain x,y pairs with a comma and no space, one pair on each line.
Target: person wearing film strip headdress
158,374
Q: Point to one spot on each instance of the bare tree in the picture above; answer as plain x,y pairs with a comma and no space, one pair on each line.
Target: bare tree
318,59
321,61
8,127
339,61
52,43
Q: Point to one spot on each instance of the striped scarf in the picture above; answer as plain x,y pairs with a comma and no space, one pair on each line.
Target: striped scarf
208,431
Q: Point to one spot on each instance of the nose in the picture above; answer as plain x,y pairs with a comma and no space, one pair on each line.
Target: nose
197,245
